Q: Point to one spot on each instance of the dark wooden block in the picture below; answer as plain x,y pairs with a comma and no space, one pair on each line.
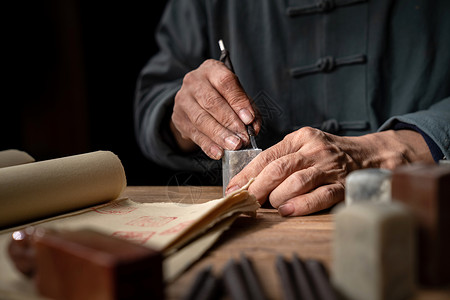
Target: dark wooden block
89,265
426,190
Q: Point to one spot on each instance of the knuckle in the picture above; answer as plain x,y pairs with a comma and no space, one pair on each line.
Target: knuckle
192,130
192,133
292,140
209,63
200,119
328,192
268,156
180,98
232,123
211,101
310,134
197,91
300,179
332,193
193,136
290,136
178,95
188,78
308,205
238,97
278,167
217,134
308,131
178,110
227,81
178,123
323,147
271,155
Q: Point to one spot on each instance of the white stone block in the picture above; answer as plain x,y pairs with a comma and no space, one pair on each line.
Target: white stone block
373,251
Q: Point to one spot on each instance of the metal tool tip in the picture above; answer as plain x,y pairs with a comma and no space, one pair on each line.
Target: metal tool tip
250,130
221,45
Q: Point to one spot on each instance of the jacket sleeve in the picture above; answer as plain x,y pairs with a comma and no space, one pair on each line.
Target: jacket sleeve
434,122
182,44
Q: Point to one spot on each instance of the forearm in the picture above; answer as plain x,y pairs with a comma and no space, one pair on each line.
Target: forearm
390,149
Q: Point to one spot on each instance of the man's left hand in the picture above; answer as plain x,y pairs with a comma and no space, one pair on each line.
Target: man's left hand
305,172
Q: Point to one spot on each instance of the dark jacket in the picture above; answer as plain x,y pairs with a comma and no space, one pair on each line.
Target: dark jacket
349,67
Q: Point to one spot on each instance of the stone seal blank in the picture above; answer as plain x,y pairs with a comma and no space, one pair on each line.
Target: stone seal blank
374,251
234,161
368,185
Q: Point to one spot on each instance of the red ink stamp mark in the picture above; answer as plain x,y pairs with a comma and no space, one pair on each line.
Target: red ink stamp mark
177,228
115,208
151,221
139,237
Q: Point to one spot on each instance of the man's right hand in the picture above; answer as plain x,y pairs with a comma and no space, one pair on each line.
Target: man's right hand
211,110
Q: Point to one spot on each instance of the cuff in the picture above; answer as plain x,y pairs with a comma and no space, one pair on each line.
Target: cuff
434,148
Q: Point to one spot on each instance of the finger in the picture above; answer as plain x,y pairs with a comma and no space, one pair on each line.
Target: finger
213,102
244,176
255,167
210,148
250,171
184,142
228,85
257,125
274,174
209,126
321,198
258,119
187,130
298,183
197,88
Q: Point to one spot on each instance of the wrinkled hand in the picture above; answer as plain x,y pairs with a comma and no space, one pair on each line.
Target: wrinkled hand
211,110
306,171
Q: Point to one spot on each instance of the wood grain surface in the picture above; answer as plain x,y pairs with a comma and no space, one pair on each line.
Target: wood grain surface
261,239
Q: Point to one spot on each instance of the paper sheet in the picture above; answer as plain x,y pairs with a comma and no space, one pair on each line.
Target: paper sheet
176,263
156,225
163,226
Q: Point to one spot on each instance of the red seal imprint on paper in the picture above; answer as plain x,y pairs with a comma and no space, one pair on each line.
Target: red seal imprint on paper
177,228
151,221
139,237
115,208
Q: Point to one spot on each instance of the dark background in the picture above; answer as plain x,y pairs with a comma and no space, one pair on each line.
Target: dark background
71,68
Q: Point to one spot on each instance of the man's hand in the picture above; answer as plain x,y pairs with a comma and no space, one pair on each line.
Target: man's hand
211,110
306,171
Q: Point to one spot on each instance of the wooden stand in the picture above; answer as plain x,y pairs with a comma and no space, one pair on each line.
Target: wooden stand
426,190
89,265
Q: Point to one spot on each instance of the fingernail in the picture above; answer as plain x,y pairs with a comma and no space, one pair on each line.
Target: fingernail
232,142
245,116
231,189
256,126
286,209
216,152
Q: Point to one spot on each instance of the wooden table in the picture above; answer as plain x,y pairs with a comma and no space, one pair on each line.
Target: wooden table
261,238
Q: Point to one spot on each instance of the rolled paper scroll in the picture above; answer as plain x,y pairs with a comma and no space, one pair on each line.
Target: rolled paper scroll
45,188
14,157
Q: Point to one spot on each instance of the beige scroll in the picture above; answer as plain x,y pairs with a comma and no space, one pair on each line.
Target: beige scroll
14,157
42,189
